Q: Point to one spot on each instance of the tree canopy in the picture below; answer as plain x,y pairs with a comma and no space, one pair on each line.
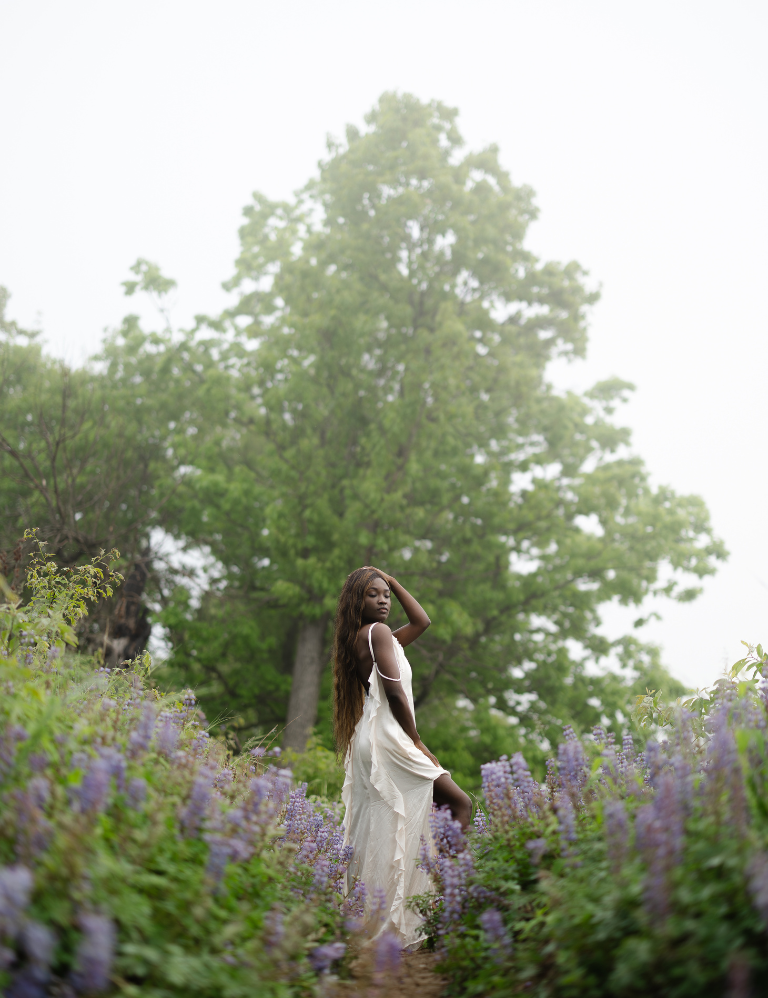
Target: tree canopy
378,394
389,405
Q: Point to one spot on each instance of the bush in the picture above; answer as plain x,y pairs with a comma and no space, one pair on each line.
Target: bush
624,874
137,855
318,768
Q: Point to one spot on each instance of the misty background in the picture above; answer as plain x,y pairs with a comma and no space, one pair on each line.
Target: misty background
142,129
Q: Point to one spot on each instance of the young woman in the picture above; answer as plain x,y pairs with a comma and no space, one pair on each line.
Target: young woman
391,776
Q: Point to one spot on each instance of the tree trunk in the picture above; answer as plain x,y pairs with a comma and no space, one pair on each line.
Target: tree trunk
129,627
305,691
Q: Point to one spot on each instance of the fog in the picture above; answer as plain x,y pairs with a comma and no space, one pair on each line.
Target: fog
141,129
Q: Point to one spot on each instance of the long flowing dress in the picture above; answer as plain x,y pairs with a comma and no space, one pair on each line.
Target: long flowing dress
387,794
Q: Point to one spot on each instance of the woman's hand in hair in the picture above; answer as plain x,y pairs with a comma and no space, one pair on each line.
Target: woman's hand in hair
389,579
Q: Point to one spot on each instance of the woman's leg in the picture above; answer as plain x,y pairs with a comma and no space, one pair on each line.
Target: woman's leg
447,793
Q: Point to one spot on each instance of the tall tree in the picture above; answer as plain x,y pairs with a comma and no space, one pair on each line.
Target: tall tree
389,404
91,456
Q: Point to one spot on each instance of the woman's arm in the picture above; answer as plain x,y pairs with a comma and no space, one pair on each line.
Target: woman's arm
418,621
384,650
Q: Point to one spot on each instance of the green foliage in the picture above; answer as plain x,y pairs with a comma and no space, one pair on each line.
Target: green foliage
625,874
377,394
319,768
390,406
58,598
150,280
128,831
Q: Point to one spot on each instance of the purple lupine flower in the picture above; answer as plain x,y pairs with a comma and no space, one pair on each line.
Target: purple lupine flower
659,835
280,783
223,778
38,942
234,834
140,738
28,982
322,957
566,818
219,854
496,934
598,734
354,902
452,888
9,741
193,813
572,767
33,830
322,871
95,953
480,822
167,735
297,814
38,762
616,831
222,846
628,746
273,929
498,790
200,743
537,848
454,876
94,788
115,760
447,834
524,783
388,955
307,852
137,793
724,776
378,903
654,762
551,779
763,687
681,767
32,979
16,884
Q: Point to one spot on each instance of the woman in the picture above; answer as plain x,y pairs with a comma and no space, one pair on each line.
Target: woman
391,776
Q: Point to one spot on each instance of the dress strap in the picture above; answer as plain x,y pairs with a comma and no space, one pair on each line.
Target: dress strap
370,645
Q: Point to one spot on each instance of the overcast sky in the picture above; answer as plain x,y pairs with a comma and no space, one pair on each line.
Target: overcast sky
141,129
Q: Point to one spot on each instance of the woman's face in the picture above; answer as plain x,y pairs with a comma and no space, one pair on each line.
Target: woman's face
377,602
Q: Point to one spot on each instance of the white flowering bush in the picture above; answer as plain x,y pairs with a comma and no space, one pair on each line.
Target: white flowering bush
137,855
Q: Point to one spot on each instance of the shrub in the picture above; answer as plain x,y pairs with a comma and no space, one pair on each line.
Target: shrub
137,855
625,873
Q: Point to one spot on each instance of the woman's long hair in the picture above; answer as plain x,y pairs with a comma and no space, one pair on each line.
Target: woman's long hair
348,694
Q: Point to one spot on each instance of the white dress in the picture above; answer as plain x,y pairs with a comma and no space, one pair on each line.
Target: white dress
387,795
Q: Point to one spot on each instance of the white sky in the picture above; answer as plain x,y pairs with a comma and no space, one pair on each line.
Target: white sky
140,129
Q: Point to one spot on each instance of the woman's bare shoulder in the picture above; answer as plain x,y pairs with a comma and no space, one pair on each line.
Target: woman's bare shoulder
381,634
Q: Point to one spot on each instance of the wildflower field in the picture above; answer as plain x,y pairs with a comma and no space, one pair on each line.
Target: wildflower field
626,873
140,856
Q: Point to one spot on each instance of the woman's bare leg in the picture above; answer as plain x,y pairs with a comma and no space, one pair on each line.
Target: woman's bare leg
447,793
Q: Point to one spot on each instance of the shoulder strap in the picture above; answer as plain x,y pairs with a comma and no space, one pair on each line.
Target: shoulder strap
370,645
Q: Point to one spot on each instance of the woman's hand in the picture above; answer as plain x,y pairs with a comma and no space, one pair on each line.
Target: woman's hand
382,575
423,748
